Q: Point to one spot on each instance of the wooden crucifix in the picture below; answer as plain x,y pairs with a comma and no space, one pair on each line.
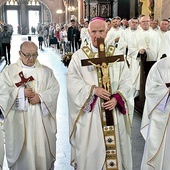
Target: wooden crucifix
103,59
101,63
24,80
145,66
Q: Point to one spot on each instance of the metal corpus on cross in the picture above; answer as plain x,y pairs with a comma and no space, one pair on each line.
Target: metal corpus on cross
24,80
102,59
106,115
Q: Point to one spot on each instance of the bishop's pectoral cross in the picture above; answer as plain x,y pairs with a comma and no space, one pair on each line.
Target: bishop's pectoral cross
24,80
102,63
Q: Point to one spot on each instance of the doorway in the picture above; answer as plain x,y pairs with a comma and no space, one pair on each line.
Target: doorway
34,19
12,19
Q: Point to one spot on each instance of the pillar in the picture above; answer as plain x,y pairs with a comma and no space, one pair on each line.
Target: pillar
161,9
24,19
80,9
66,12
132,9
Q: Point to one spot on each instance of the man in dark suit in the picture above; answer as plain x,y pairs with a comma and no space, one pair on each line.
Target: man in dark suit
73,36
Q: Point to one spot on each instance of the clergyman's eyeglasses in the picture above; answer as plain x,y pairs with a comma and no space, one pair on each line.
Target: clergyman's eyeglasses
35,55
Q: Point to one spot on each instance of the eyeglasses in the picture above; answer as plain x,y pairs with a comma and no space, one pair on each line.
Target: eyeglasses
145,21
28,56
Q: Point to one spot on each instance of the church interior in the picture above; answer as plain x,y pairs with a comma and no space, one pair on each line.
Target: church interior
61,11
27,15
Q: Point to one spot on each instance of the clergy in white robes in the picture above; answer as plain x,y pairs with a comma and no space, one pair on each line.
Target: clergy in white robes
165,45
29,110
163,28
114,33
127,34
84,34
155,126
144,40
88,149
123,43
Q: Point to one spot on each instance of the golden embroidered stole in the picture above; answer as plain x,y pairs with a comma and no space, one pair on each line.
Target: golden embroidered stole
111,162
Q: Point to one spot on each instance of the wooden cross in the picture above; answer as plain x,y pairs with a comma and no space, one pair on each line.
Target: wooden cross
98,61
102,56
23,80
145,66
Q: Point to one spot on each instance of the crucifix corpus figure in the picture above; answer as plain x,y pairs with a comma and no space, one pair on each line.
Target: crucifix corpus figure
105,72
99,95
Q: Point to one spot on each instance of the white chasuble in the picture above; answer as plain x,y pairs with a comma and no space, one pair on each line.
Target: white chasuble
165,45
141,39
88,150
29,135
155,122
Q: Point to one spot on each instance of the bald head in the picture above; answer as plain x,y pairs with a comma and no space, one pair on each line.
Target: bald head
27,44
28,53
97,28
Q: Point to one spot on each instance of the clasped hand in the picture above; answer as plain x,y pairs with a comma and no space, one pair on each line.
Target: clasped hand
33,97
142,51
105,95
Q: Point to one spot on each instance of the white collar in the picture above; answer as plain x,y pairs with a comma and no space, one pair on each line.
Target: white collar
94,49
24,66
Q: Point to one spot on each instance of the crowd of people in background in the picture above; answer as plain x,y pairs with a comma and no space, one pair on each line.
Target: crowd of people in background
124,34
70,37
134,38
74,35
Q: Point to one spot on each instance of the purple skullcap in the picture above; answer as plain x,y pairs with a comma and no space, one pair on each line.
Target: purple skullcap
97,18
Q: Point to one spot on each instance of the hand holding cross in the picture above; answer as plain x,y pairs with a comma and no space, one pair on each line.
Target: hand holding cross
105,87
24,80
32,96
102,63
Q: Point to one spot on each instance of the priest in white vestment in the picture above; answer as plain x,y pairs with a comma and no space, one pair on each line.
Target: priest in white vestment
165,45
29,109
155,126
144,40
127,34
84,34
88,149
114,33
123,44
163,28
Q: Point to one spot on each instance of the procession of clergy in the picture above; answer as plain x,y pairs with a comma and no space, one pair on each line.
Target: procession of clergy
131,38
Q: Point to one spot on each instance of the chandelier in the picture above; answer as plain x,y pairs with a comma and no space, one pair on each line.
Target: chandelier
17,2
71,8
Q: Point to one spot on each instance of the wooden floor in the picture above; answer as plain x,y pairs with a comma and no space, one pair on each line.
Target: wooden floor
52,59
